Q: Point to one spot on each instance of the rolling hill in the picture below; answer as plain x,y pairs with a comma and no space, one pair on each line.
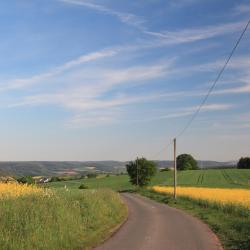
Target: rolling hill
52,168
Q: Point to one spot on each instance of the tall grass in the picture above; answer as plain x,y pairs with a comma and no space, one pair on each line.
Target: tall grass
63,220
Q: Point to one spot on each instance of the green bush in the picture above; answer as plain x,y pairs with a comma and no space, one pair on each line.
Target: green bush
165,169
244,163
26,180
55,178
83,186
92,175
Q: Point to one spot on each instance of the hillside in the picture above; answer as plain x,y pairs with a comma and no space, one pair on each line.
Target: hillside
51,168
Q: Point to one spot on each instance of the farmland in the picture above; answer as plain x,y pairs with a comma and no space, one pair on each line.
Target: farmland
222,178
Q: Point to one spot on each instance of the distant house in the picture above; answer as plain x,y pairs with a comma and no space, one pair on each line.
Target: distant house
43,180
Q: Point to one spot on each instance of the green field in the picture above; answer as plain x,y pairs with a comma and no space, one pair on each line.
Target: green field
222,178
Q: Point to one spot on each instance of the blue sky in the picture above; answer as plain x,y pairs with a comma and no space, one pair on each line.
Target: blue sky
109,79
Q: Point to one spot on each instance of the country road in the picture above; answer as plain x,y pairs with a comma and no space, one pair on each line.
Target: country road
155,226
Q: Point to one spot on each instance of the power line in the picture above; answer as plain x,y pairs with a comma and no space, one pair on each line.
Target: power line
209,91
163,149
214,83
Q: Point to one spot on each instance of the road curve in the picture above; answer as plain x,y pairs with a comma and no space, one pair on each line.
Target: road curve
155,226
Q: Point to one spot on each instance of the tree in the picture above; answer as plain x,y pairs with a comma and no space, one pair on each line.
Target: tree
92,175
26,180
244,163
186,162
141,170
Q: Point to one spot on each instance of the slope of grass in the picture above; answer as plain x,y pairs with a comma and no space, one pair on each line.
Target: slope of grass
223,178
116,183
231,224
64,220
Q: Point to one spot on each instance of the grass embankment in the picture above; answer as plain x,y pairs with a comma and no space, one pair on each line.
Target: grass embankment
231,223
59,220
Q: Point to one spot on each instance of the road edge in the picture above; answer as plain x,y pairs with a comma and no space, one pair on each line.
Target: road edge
114,230
213,234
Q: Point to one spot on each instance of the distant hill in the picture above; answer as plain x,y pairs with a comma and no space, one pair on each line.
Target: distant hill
53,168
201,164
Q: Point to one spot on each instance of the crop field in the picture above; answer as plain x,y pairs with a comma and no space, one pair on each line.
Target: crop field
37,218
223,196
13,190
221,178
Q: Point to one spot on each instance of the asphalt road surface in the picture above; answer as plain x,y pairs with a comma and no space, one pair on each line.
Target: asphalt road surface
155,226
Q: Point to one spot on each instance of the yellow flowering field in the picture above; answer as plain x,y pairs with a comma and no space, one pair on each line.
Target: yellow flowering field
15,190
220,195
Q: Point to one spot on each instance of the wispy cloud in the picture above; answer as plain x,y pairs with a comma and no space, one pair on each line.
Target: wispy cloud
197,34
242,8
126,18
165,37
25,82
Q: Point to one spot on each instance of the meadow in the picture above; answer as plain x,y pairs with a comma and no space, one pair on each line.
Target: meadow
221,178
34,218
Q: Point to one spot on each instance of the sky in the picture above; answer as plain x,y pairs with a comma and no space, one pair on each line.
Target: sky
113,79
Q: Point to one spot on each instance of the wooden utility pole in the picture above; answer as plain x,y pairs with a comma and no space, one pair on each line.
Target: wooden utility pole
175,170
137,177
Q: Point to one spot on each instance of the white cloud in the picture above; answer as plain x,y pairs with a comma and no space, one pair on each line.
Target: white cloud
25,82
197,34
126,18
165,37
242,8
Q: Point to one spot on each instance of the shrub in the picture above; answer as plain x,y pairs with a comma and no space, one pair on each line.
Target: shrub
92,175
164,169
55,178
83,186
244,163
26,180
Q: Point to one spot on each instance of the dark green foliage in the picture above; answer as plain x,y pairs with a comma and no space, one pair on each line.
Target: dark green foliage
141,170
91,175
83,186
26,180
186,162
244,163
55,178
164,169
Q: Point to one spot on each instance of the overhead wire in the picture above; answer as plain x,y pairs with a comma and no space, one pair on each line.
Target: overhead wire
210,89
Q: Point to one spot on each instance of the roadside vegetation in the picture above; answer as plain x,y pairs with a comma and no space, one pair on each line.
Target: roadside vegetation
34,218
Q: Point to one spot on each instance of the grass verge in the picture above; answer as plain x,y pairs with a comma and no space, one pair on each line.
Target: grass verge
231,224
64,220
